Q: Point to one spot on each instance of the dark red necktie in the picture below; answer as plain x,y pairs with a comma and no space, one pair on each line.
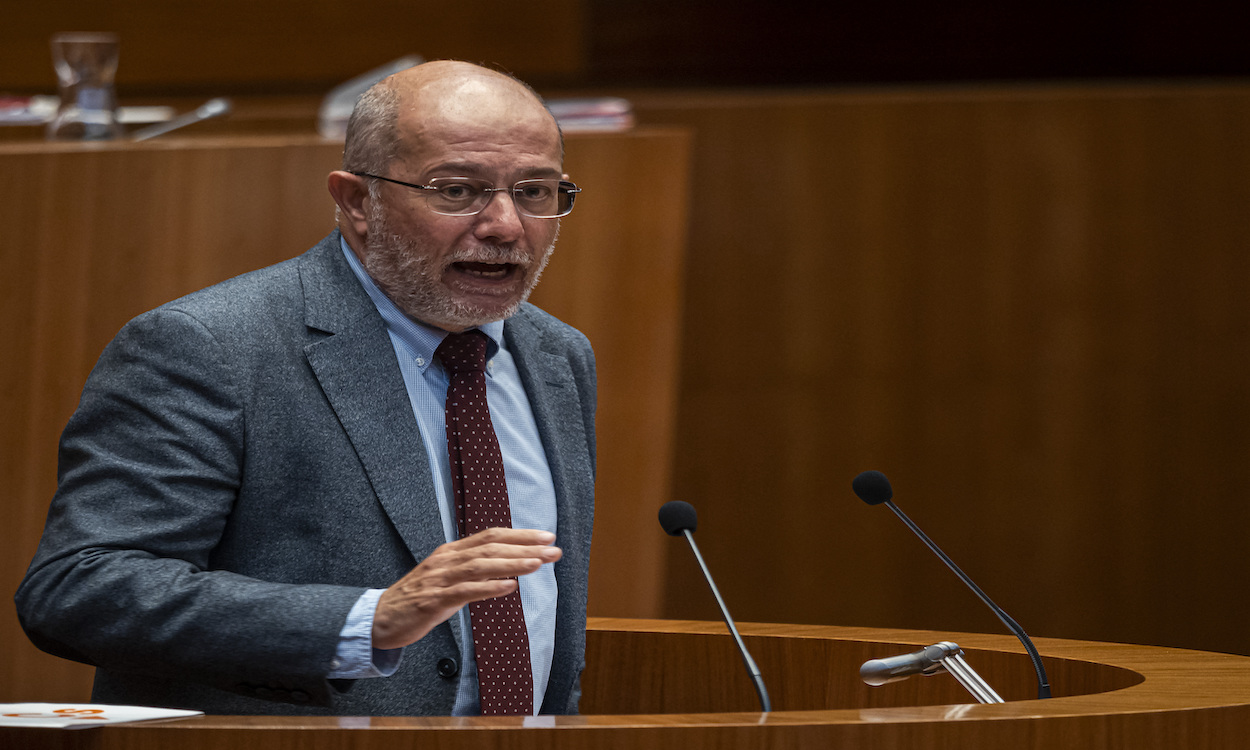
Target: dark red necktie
500,642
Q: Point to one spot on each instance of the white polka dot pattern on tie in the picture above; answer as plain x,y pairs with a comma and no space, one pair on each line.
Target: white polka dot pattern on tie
500,640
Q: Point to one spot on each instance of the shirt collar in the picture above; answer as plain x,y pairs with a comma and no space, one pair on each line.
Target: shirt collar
417,339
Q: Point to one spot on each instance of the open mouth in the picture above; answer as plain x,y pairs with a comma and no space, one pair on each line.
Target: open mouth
489,273
486,271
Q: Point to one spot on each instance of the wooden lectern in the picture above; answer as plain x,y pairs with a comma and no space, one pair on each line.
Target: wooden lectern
678,684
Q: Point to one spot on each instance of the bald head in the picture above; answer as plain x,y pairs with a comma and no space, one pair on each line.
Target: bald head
440,99
454,85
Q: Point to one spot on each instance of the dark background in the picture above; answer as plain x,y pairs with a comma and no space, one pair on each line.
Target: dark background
702,42
241,47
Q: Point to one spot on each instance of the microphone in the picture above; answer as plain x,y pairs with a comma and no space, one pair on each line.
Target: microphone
878,672
206,111
940,657
680,519
873,488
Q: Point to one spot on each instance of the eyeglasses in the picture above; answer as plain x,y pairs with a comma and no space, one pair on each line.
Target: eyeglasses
546,198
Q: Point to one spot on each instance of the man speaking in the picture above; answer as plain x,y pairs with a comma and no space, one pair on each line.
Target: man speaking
359,482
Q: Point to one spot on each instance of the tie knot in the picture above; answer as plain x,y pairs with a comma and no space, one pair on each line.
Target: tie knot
463,352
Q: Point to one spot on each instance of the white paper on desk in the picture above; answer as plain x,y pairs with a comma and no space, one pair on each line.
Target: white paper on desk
79,715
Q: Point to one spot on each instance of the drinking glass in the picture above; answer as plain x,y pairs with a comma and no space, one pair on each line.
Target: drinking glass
85,65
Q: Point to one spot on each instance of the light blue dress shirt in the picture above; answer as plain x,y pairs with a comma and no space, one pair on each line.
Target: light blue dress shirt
531,494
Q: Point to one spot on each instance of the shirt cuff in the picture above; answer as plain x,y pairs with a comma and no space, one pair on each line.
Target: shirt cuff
356,658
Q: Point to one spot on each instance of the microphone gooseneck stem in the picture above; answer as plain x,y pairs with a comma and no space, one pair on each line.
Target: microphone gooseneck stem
752,670
1043,685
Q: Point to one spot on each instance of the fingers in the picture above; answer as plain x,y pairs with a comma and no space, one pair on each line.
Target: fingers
481,566
489,554
511,537
493,553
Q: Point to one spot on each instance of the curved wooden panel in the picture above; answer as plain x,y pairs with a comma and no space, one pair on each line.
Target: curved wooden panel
694,667
1143,697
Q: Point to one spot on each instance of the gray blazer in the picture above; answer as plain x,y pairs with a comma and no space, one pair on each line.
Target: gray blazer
244,462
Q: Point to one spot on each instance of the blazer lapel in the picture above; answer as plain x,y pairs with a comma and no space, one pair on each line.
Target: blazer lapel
355,363
556,403
554,398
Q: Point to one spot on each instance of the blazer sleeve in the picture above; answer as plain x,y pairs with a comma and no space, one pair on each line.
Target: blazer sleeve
124,577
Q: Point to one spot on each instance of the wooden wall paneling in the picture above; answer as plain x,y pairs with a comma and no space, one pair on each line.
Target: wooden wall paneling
618,275
283,46
100,234
1027,306
710,43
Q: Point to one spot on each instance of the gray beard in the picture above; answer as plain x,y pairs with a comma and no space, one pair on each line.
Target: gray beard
405,273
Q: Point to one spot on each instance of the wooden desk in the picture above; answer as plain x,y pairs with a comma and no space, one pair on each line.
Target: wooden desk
674,673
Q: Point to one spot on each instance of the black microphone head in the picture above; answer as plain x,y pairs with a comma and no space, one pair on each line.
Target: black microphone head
872,487
677,516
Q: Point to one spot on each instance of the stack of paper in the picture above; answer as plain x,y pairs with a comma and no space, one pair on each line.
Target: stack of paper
78,715
583,115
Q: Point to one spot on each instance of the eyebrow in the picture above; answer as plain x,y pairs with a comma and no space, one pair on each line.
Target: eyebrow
472,169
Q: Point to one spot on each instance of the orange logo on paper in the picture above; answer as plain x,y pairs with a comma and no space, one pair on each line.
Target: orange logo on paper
60,713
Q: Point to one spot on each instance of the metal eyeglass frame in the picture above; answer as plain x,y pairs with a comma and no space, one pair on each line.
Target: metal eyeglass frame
569,187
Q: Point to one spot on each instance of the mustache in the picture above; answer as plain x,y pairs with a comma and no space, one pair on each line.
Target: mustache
489,254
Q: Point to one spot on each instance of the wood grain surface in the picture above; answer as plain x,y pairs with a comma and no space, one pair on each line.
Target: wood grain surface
1112,696
288,46
1029,306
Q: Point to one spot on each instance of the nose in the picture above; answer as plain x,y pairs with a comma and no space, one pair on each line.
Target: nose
499,220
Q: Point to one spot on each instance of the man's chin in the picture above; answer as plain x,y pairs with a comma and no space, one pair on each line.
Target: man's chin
460,315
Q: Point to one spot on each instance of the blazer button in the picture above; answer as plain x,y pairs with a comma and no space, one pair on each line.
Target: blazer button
448,667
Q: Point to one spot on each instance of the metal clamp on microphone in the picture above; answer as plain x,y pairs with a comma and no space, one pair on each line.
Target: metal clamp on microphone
930,660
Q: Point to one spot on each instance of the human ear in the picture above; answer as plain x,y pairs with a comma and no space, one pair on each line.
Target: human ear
351,194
